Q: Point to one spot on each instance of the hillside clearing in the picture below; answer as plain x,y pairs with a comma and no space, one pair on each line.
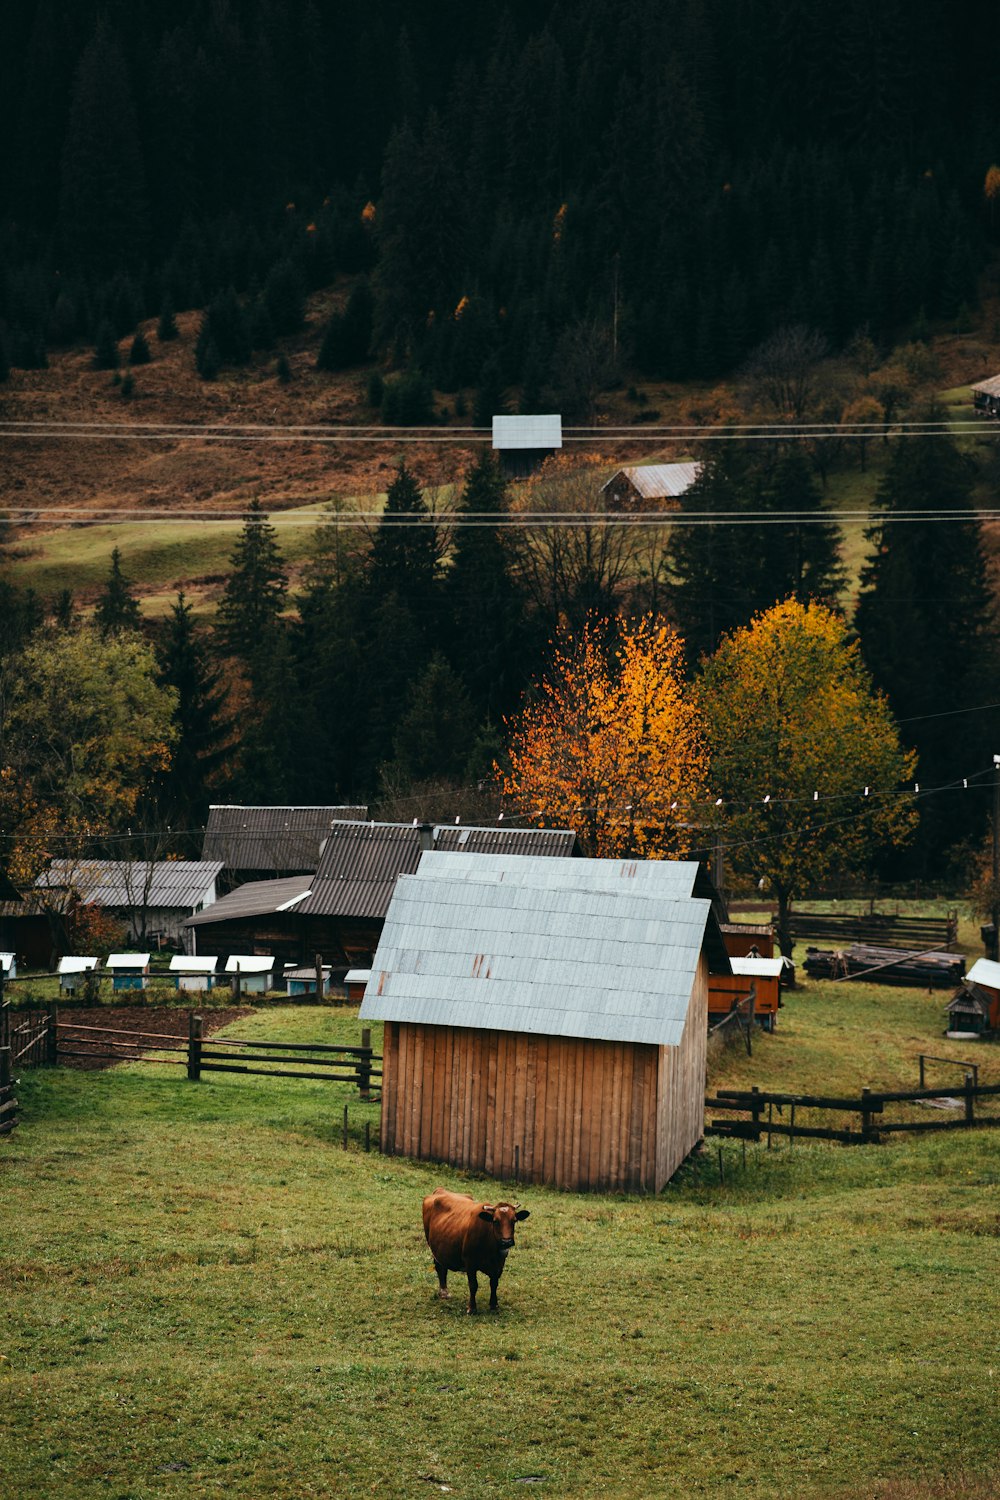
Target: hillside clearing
204,1294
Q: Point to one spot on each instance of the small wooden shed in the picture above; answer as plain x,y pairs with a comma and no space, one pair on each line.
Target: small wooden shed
986,396
649,486
975,1008
355,981
73,970
523,443
763,974
255,970
748,939
194,972
129,971
546,1019
302,981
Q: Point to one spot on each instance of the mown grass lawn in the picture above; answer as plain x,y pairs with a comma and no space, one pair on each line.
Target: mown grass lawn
204,1294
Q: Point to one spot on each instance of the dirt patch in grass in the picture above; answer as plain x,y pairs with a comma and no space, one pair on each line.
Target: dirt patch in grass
159,1021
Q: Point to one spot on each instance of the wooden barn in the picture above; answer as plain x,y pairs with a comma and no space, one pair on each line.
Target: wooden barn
261,843
338,911
649,486
986,397
546,1019
151,898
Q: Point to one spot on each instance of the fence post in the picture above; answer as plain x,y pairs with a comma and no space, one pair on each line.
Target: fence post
970,1101
345,1127
365,1064
866,1115
52,1036
5,1068
755,1112
236,985
921,1070
194,1047
319,977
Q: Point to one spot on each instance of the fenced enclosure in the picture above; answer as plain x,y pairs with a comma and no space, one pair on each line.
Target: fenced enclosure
916,932
869,1107
35,1037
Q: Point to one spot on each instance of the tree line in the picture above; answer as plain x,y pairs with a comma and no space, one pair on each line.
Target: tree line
398,670
650,186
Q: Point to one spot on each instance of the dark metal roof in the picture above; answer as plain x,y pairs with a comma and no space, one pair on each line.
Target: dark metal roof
287,839
258,898
171,883
360,863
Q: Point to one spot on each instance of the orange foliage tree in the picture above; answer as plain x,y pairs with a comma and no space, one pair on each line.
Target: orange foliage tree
792,717
612,744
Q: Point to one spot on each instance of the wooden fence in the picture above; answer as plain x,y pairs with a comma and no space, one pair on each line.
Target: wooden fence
870,1106
873,927
33,1038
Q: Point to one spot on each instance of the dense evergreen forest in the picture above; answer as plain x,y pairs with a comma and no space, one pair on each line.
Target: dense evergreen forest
676,176
511,199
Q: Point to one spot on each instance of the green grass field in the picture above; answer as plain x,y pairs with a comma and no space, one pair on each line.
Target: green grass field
204,1294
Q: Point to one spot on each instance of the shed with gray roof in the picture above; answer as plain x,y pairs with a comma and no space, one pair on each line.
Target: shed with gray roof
152,898
648,486
546,1019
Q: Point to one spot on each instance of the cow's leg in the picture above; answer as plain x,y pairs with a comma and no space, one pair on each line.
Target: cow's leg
494,1283
442,1274
473,1289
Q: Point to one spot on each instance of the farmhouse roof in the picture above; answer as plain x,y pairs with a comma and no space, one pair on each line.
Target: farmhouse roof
530,432
271,838
258,898
559,948
658,481
990,387
181,883
362,861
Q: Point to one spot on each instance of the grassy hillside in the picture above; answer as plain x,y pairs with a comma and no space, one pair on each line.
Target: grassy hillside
205,1294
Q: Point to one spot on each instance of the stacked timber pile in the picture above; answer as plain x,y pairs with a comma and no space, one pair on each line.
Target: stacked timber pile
876,927
886,966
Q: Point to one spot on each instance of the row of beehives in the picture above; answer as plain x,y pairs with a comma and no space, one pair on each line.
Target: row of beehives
255,973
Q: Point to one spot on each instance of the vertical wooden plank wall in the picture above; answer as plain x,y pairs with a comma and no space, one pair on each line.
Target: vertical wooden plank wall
582,1114
680,1111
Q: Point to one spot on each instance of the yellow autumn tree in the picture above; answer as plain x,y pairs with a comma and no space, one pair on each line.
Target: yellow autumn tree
611,744
796,733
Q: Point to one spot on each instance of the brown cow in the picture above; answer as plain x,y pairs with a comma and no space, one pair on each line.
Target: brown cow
468,1236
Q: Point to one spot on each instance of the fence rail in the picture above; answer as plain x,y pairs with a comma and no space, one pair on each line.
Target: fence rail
868,1106
33,1038
873,927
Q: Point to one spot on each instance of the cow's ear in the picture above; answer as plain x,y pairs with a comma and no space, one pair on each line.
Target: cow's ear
522,1213
486,1213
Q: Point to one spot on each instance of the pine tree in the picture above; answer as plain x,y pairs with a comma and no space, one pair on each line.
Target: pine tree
117,609
166,328
139,352
250,609
64,614
928,634
203,730
105,349
404,556
483,606
437,726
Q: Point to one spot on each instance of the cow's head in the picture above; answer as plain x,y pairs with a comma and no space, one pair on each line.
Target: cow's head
503,1217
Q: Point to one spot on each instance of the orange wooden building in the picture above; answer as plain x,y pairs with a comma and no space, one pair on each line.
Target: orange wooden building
546,1019
761,974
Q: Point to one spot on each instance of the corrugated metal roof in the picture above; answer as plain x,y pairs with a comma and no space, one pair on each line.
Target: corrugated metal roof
362,861
180,883
658,481
990,387
527,432
287,839
559,948
258,898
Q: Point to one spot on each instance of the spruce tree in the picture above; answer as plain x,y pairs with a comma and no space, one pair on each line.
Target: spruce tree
117,609
404,556
105,349
250,609
483,606
926,621
139,353
203,730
